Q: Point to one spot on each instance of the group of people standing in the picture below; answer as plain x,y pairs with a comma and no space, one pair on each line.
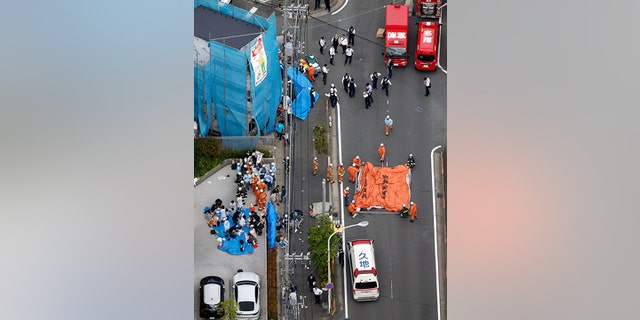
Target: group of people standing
345,42
330,175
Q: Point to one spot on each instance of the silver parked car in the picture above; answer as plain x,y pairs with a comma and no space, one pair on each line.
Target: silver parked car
246,292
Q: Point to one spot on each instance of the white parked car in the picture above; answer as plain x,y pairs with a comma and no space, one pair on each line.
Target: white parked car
246,292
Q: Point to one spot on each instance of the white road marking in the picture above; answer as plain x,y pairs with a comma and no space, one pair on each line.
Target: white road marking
435,226
343,5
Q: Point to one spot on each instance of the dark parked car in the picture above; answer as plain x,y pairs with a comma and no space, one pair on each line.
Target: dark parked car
211,294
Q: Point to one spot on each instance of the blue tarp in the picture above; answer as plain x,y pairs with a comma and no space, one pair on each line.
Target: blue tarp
272,218
301,85
232,245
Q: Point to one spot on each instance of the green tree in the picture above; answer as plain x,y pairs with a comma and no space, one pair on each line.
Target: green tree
317,239
230,308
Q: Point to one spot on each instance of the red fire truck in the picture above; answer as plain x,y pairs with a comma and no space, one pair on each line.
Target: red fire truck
428,8
426,57
396,30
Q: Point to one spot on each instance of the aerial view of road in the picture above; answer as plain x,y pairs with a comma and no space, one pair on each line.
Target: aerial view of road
404,250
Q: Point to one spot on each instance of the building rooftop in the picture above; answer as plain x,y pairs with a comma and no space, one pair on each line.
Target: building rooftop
209,24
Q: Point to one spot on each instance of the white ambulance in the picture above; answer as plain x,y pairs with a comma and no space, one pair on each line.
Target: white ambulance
364,276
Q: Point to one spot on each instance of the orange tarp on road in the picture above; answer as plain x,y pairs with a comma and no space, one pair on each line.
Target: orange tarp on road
383,187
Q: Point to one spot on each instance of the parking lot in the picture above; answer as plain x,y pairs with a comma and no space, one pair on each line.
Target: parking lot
208,260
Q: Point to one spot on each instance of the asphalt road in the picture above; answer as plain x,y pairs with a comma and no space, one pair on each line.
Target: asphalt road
404,250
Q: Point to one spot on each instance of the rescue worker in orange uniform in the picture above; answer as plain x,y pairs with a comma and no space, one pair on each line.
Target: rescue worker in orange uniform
311,73
262,199
382,152
352,208
340,173
315,166
357,162
254,184
388,125
353,172
413,211
262,185
330,173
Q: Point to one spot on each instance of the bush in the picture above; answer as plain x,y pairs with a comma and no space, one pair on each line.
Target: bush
206,147
321,139
208,153
230,308
317,239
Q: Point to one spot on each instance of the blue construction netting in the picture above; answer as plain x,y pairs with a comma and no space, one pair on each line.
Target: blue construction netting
225,80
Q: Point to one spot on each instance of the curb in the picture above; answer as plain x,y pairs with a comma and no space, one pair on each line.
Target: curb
441,216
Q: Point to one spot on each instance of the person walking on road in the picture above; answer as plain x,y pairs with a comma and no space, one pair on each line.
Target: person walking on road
345,82
317,292
374,79
335,41
312,281
340,173
280,129
381,151
345,194
333,95
369,89
352,35
325,72
283,194
388,125
367,99
353,171
349,55
344,43
330,173
332,54
427,85
389,68
385,83
317,5
322,42
315,166
413,211
327,4
352,88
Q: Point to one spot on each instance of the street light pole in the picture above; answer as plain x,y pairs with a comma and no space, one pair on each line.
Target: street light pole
359,224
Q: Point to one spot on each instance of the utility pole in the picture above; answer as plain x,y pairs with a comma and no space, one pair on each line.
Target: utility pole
293,12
